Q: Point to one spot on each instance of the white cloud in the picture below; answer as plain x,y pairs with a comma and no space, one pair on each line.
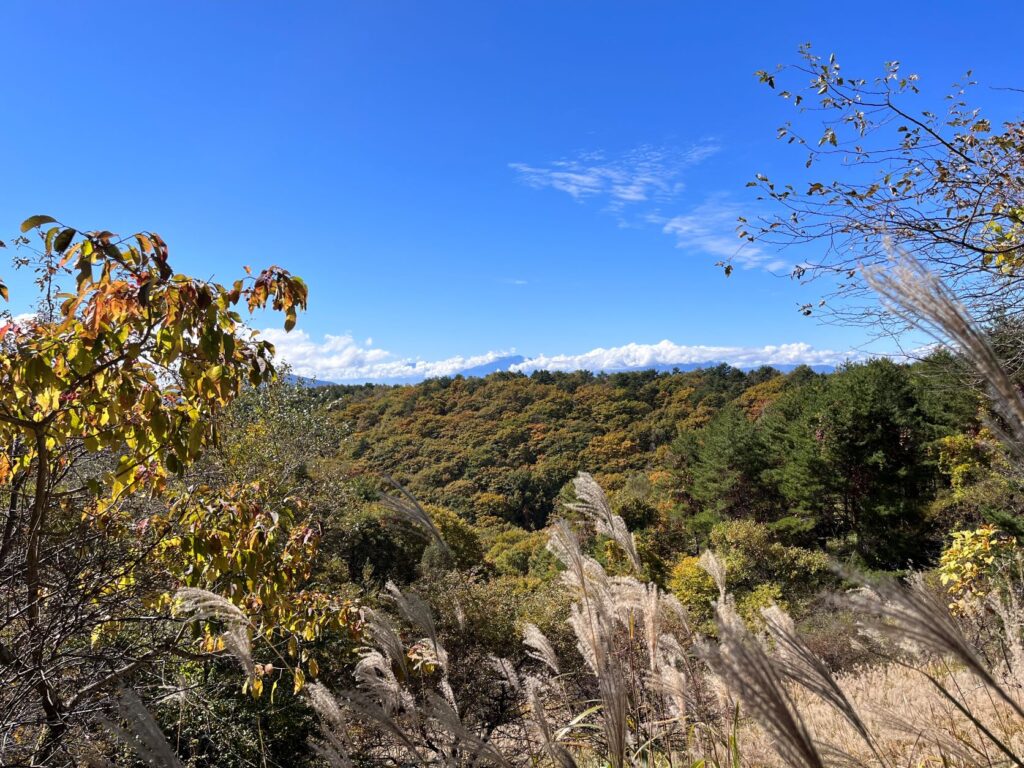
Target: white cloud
640,356
341,358
643,181
711,228
644,174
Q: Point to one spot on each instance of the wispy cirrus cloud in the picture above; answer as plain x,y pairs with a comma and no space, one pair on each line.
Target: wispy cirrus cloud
342,359
644,174
710,228
642,183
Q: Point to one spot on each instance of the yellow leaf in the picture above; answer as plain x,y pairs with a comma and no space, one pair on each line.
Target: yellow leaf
36,221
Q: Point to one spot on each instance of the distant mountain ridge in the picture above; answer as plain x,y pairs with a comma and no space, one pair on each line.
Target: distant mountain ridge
506,363
499,364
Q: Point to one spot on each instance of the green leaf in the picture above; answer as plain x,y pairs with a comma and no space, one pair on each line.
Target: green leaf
84,274
36,221
172,463
195,438
112,251
63,240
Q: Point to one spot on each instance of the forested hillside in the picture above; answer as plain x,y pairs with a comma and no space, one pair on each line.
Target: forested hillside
849,462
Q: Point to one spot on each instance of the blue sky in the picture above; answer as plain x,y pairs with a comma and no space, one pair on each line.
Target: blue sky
453,178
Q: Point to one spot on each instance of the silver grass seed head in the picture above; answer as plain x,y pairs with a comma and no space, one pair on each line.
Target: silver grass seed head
715,568
386,639
593,504
747,671
404,506
508,673
913,613
374,675
556,751
413,609
482,750
202,605
797,662
326,706
540,648
140,731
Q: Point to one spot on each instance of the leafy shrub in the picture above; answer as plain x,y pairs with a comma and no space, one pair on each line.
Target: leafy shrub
695,589
463,543
972,562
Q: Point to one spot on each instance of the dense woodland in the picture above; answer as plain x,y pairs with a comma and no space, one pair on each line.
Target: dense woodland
871,467
203,565
820,460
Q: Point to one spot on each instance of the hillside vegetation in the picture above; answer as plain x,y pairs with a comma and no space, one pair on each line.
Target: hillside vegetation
846,462
204,565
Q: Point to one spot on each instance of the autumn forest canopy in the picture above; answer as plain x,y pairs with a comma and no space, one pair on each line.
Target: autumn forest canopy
205,562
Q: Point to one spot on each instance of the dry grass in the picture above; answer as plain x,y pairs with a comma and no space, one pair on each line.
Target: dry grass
910,721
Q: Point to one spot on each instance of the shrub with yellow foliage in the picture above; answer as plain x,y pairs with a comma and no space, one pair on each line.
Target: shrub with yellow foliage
971,562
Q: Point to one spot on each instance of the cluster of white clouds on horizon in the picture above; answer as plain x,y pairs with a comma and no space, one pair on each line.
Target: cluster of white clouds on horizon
649,177
343,359
640,356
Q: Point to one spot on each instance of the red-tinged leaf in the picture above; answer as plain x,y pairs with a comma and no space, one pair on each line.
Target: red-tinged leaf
70,253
